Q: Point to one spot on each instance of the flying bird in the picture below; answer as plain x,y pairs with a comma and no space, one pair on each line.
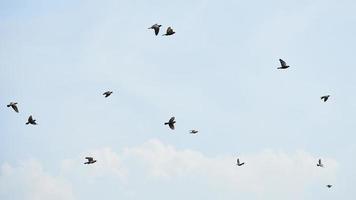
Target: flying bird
13,105
238,162
90,160
320,164
169,32
31,121
155,27
171,123
329,186
325,98
107,93
283,64
193,131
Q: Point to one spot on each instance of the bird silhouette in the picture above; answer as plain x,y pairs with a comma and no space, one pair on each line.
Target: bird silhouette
238,162
169,32
325,98
283,64
320,164
13,105
107,93
155,27
329,186
31,121
90,160
171,123
193,131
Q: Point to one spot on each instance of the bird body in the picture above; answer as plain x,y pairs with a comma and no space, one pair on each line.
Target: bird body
171,123
31,121
238,162
155,27
325,98
13,105
107,93
169,32
90,160
329,186
320,164
283,64
193,131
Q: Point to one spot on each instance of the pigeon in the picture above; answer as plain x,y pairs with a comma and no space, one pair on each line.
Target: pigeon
325,98
90,160
107,94
329,186
31,121
155,27
238,163
169,32
171,123
193,131
13,106
320,164
283,64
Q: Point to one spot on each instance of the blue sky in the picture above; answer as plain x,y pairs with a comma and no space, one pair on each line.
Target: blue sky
217,74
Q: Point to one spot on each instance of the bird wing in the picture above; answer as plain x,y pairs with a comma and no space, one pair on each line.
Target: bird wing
156,30
105,93
238,161
172,119
89,158
15,108
283,63
169,30
30,118
171,125
319,161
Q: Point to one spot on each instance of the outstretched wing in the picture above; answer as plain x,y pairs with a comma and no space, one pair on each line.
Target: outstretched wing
171,125
238,161
171,120
156,30
319,161
30,118
15,108
283,63
89,158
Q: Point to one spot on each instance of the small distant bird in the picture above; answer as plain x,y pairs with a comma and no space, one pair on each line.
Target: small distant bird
320,164
13,106
107,93
169,32
329,186
325,98
90,160
171,123
283,64
238,162
155,27
193,131
31,121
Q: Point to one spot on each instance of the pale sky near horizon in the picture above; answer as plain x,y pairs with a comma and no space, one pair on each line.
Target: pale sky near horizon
217,74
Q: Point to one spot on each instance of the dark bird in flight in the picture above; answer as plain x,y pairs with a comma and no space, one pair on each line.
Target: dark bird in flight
169,32
90,160
329,186
325,98
155,27
320,164
171,123
238,162
283,64
13,105
107,93
193,131
31,121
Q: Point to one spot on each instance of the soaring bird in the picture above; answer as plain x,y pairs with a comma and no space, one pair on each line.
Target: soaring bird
169,32
238,162
90,160
13,106
107,93
155,27
193,131
325,98
283,64
320,164
171,123
329,186
31,121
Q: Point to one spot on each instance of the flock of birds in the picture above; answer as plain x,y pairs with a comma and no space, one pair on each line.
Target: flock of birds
171,122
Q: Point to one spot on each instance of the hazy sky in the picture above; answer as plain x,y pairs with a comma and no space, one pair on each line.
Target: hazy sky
217,74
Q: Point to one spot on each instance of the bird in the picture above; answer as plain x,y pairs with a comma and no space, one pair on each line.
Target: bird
13,105
169,32
320,164
90,160
155,27
31,121
238,162
325,98
329,186
193,131
171,123
283,64
107,93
